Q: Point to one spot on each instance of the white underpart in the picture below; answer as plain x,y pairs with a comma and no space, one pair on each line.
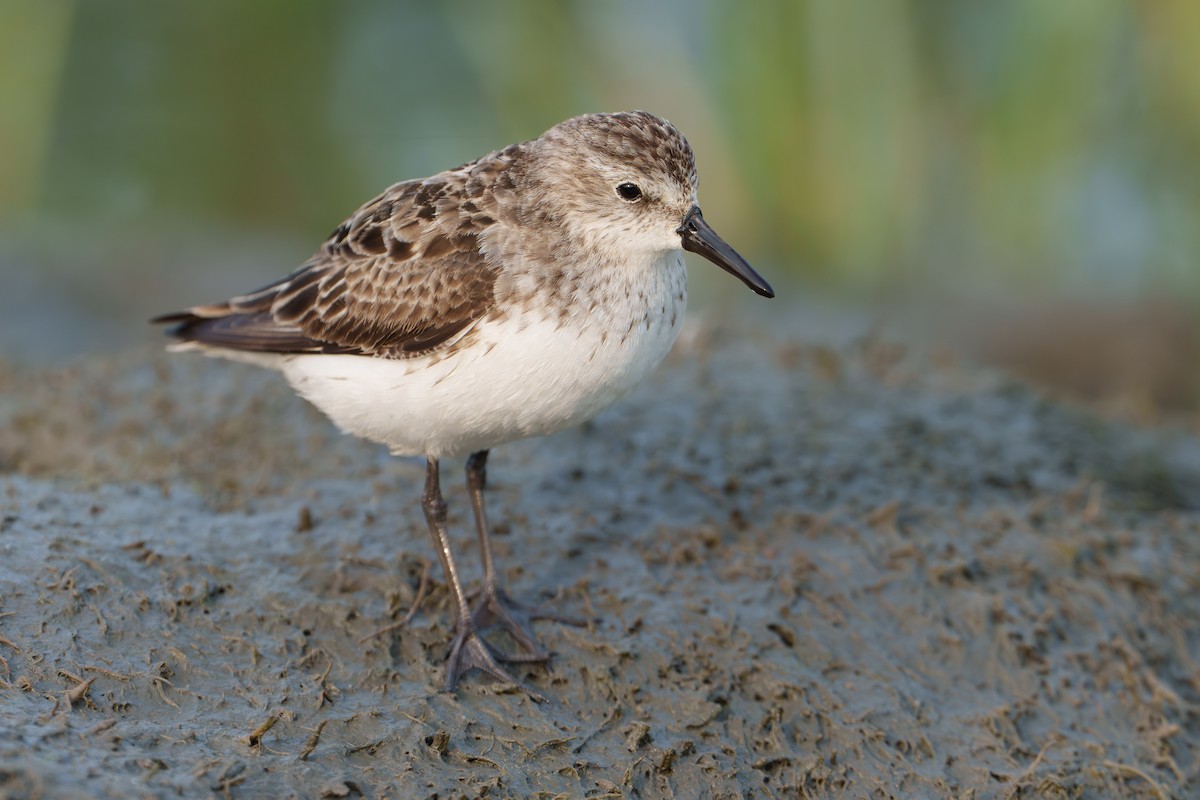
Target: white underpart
530,374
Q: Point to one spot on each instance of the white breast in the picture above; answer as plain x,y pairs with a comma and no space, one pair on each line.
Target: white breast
530,373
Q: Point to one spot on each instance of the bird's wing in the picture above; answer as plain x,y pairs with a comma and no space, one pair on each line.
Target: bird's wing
401,276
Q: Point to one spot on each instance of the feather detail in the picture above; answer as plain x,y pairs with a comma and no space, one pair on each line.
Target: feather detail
404,275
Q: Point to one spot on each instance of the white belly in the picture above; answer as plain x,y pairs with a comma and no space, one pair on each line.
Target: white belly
526,375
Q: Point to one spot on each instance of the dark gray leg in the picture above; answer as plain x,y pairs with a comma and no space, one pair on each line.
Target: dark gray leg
492,604
468,650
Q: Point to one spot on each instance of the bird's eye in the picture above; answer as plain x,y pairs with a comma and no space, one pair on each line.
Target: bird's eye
630,192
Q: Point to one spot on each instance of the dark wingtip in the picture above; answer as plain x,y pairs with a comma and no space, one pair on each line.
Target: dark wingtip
174,316
182,324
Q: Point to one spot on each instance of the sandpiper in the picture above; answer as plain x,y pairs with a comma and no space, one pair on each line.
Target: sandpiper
514,296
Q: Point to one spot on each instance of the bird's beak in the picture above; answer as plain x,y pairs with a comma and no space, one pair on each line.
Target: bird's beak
699,237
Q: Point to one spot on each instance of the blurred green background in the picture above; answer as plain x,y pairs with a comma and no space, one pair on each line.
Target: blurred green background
991,168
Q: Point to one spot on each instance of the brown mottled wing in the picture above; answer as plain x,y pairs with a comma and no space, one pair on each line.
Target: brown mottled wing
400,277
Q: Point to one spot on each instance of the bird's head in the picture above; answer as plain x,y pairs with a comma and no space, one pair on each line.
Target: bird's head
627,182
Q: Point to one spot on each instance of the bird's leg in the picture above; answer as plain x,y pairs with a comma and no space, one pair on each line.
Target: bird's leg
468,650
492,604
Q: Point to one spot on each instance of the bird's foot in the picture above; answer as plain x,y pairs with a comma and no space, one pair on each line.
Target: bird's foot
493,607
469,651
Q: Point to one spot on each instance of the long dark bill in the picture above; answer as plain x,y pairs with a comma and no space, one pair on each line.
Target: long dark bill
699,237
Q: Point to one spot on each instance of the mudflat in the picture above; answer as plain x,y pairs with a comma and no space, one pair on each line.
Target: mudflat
852,571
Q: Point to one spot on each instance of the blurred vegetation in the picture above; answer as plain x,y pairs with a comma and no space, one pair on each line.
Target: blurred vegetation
1024,145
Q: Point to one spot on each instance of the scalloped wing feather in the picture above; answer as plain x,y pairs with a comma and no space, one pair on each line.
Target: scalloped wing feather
402,276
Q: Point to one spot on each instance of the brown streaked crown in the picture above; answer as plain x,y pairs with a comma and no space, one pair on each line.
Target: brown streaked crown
632,137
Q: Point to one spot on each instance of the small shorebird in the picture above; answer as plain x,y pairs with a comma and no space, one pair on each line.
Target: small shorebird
514,296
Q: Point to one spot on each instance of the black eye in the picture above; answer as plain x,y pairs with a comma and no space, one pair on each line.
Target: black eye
629,191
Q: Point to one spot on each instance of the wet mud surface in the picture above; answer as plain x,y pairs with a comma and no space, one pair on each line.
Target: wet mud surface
813,572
